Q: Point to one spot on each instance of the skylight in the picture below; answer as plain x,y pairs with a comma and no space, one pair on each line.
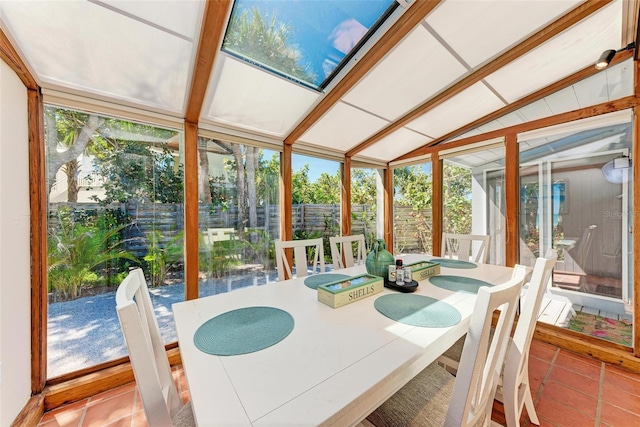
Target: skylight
307,41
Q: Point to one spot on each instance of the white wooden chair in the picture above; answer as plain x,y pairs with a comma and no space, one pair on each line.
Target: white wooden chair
513,388
342,250
299,257
435,397
461,246
219,235
575,278
151,369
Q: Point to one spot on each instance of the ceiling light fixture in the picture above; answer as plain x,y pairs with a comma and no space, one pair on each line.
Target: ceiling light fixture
607,56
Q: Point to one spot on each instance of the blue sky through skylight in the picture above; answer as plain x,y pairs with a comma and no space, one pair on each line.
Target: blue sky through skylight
322,32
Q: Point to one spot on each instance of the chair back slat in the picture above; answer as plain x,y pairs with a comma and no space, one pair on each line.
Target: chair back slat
342,251
300,248
463,246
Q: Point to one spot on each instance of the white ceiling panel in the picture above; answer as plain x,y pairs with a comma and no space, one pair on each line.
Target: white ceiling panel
343,127
248,98
472,132
395,145
562,101
491,126
572,50
536,110
490,155
407,76
620,80
499,24
467,106
511,119
181,17
592,91
92,49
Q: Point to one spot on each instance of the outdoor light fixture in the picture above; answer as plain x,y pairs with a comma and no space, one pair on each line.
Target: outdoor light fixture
622,162
607,56
614,170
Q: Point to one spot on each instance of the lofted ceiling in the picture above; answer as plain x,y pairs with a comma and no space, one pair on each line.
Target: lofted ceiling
432,73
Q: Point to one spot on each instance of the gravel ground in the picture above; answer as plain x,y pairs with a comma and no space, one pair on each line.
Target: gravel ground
86,331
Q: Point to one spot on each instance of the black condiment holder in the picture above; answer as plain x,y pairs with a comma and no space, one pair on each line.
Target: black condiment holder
404,287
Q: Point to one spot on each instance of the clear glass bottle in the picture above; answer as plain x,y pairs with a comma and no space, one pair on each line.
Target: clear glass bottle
399,272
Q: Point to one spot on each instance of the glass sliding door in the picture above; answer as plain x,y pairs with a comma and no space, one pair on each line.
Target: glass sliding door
575,192
496,219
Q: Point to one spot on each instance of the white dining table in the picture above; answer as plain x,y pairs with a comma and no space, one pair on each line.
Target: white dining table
334,368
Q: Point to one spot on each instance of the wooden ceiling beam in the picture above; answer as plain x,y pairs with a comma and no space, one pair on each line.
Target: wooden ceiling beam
416,12
571,18
213,26
559,85
9,55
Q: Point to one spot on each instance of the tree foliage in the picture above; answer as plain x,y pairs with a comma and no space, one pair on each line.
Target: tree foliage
135,173
266,41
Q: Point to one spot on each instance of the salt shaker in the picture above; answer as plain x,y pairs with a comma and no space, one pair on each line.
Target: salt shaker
407,274
392,273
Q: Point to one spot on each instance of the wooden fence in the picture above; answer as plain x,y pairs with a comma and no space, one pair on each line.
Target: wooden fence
411,228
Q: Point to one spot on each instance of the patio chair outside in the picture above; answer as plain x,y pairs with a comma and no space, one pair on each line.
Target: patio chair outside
575,279
462,245
299,257
342,251
435,397
151,369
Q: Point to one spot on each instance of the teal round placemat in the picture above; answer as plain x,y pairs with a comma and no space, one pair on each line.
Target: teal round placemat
244,330
458,283
453,263
320,279
418,310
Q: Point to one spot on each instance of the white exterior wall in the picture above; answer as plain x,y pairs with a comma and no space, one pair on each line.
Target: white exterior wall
15,267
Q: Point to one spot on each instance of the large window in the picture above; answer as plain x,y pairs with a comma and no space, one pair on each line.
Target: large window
115,201
315,195
412,223
365,217
474,196
238,215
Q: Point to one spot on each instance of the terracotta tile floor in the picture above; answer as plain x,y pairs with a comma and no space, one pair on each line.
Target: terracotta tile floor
568,389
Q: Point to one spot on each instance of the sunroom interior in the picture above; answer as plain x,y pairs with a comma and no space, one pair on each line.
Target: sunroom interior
164,125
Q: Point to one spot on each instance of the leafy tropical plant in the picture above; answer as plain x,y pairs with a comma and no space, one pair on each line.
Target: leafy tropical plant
162,256
77,251
221,256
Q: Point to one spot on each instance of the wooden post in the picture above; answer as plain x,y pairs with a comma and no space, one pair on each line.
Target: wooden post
388,208
436,203
286,201
191,227
634,221
38,206
512,190
345,206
